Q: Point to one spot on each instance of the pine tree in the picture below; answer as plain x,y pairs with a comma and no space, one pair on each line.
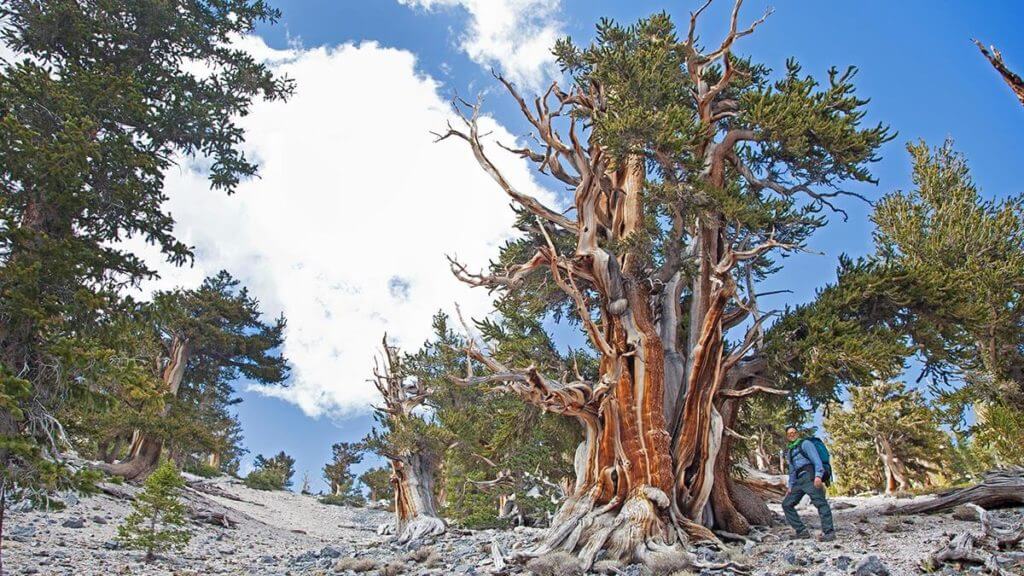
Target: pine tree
273,473
966,255
693,170
378,482
410,443
156,522
338,472
887,438
208,338
86,135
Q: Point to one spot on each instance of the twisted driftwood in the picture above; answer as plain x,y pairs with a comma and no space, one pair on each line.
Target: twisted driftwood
999,489
968,548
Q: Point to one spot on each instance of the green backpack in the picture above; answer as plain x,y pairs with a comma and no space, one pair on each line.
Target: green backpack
823,455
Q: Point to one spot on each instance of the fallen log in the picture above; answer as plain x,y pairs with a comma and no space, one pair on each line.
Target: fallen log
118,491
214,490
998,489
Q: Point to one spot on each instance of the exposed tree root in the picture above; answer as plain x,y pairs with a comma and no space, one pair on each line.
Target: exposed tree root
614,534
418,530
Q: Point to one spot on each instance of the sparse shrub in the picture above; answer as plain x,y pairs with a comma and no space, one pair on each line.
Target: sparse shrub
426,557
555,564
203,470
349,499
355,564
265,480
271,473
393,568
155,524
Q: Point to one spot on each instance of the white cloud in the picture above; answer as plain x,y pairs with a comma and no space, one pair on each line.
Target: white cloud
346,229
513,35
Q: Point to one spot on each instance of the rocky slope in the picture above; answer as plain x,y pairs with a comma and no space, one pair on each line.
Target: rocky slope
279,533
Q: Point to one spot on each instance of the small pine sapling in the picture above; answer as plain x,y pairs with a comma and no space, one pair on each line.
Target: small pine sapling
156,524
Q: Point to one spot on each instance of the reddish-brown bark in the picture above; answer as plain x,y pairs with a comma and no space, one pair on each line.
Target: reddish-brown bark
144,453
653,469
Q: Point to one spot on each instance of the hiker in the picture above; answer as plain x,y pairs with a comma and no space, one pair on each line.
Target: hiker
807,475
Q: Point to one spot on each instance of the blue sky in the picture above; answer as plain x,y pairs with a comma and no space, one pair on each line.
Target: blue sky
917,64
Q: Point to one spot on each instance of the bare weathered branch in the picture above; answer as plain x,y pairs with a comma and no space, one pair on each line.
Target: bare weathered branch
472,136
744,392
1014,81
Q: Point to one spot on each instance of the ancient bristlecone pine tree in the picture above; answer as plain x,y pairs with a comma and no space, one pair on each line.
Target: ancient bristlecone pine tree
413,461
688,169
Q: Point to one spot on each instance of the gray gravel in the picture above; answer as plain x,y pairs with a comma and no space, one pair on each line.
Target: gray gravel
281,533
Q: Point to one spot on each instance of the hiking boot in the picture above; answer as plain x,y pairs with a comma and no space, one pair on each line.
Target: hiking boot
801,536
827,537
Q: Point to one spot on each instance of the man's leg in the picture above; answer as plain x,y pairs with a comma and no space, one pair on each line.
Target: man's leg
789,508
824,510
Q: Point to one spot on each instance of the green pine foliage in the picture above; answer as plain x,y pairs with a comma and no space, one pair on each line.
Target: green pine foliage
485,432
880,415
763,421
157,521
273,473
226,337
338,472
100,100
378,481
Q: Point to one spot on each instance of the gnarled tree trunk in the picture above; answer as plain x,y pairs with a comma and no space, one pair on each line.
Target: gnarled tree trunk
896,478
413,468
144,454
653,469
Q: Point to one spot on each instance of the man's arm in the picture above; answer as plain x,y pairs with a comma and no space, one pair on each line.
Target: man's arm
811,452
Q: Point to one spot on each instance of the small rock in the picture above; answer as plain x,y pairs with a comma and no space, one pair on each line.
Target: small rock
870,566
791,559
843,562
99,519
21,533
330,552
73,523
305,558
112,545
268,559
69,499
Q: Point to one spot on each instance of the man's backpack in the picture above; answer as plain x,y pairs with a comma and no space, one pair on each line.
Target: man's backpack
826,458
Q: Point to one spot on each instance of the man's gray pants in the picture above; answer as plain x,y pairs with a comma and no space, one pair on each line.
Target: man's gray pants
805,485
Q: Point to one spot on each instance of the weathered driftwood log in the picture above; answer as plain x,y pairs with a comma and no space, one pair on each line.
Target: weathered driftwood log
199,508
999,488
968,548
213,490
